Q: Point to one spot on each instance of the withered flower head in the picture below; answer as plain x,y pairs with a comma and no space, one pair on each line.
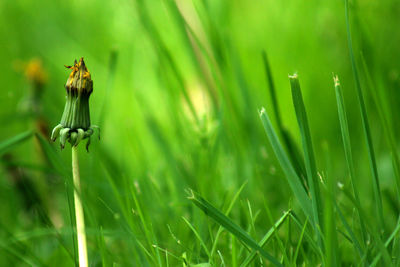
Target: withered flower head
36,77
79,81
35,72
75,121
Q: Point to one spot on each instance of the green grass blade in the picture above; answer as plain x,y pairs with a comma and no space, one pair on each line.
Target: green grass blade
295,156
332,257
251,219
344,126
374,231
293,151
366,128
311,169
388,241
191,40
296,253
53,157
68,190
14,141
18,248
147,226
234,251
103,248
203,245
214,247
387,127
229,225
266,238
112,171
309,239
19,255
164,55
287,167
278,238
353,239
272,91
109,85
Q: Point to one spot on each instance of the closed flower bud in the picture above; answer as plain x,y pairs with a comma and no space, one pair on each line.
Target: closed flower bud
75,121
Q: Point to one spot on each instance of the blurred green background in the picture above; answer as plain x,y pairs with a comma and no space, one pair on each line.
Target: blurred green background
177,90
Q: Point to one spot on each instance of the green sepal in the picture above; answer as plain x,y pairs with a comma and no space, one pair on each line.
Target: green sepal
87,144
56,131
64,134
80,136
73,138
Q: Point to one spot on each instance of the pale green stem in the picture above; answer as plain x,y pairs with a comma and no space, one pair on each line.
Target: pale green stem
80,221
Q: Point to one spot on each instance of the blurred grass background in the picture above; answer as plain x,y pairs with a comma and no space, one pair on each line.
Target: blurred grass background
177,89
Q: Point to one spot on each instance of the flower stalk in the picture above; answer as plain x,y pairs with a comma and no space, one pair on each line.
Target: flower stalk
80,220
74,127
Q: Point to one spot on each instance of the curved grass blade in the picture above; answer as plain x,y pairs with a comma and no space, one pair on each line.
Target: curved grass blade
19,255
52,157
287,167
356,244
203,245
113,58
374,231
165,56
266,238
303,230
388,241
235,197
386,125
272,91
310,241
366,128
229,225
293,151
284,251
344,126
332,257
309,158
14,141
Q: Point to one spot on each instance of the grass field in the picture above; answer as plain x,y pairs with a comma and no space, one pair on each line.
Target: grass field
233,133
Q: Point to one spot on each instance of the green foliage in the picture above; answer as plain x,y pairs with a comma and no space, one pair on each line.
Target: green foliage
176,90
8,144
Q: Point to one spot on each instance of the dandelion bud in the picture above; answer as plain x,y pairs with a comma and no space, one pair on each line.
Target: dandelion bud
75,121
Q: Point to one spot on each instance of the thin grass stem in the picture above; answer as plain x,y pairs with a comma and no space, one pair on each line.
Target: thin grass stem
366,127
344,126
